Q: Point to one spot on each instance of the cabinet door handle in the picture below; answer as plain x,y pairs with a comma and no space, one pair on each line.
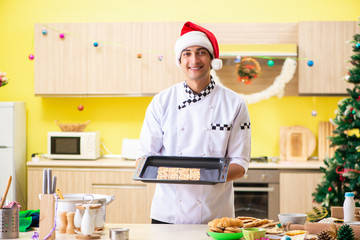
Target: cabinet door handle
123,186
253,189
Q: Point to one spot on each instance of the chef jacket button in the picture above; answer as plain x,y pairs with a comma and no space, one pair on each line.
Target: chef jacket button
180,153
182,129
203,154
210,107
199,202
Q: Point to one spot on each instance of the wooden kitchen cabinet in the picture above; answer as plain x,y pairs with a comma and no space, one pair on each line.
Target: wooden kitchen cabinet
325,43
73,66
296,188
132,199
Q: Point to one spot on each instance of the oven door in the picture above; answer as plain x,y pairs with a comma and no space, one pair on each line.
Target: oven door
259,200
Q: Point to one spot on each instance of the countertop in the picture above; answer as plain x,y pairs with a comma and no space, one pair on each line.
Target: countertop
123,163
147,231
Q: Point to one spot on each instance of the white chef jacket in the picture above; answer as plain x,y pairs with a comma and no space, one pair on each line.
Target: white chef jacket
214,123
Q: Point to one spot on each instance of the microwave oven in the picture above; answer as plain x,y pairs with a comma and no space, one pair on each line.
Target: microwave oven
73,145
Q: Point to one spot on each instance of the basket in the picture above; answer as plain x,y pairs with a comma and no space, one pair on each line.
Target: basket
9,223
72,127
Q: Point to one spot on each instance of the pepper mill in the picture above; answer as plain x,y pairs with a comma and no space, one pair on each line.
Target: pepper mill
70,229
63,222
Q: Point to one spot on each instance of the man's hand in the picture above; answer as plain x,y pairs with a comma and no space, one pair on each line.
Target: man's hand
235,171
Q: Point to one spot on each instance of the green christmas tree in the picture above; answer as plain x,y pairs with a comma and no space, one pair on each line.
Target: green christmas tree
342,172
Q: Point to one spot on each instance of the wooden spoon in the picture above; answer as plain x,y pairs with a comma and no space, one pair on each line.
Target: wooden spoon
6,192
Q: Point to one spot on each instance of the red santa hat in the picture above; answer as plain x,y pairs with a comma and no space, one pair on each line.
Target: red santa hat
194,35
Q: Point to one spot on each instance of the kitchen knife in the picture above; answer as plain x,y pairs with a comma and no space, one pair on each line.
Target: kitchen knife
49,178
53,188
45,181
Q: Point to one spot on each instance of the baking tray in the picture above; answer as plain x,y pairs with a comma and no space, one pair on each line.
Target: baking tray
212,170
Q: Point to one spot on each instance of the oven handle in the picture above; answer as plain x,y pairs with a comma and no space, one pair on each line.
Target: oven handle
253,189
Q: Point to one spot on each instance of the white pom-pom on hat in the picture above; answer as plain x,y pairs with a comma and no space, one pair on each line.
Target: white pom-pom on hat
194,35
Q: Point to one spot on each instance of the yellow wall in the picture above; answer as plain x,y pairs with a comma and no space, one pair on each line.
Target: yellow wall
117,118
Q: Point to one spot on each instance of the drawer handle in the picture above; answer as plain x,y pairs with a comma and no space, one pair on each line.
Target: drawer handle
122,186
253,189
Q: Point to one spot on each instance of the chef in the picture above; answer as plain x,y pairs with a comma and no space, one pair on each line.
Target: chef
197,118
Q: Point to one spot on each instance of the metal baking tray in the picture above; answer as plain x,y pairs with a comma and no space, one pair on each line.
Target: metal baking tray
212,170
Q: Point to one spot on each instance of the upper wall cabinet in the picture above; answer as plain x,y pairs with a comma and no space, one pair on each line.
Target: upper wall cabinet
326,44
131,58
134,58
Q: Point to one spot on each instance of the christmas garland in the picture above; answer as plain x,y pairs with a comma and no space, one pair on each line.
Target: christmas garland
276,89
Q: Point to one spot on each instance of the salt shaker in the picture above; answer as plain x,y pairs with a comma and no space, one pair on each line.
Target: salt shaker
349,207
99,219
78,216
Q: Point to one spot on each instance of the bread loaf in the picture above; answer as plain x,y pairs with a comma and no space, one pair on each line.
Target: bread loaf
225,222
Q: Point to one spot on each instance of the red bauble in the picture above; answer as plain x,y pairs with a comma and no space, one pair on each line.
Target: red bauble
330,189
342,178
80,107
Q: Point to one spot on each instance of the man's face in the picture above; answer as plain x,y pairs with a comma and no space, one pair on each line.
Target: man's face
195,61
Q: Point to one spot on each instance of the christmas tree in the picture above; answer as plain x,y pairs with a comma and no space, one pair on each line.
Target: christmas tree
342,172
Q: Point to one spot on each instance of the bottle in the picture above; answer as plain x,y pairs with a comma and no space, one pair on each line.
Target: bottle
349,207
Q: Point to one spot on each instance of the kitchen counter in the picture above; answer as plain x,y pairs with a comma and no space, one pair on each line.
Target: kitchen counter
148,232
123,163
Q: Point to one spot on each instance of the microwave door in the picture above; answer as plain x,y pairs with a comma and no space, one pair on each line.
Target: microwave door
65,145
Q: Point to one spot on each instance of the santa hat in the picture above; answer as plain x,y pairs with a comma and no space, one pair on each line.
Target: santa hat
194,35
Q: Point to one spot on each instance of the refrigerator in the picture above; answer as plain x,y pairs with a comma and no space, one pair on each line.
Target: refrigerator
13,151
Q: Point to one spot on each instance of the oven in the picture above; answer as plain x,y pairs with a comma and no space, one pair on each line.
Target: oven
257,194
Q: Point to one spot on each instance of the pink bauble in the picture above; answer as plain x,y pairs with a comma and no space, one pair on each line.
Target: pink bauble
31,57
62,35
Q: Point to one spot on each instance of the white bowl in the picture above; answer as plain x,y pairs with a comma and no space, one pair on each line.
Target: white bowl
294,218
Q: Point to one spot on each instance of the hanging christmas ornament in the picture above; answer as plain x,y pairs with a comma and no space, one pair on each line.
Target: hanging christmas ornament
237,59
247,70
314,112
330,189
31,57
358,99
310,63
270,63
61,35
139,55
358,45
160,57
80,107
44,31
96,44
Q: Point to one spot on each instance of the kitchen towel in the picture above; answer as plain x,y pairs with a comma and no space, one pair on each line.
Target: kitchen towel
28,219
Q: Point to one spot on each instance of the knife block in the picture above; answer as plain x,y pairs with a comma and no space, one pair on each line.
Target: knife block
47,216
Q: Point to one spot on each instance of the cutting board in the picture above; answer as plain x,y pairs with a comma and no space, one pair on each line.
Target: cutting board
297,143
325,130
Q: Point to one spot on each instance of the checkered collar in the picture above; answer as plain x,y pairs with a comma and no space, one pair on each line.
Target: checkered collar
193,97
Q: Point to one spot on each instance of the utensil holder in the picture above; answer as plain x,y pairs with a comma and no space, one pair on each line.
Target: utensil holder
9,223
47,216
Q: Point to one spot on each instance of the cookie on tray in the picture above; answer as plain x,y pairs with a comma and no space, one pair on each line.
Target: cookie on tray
184,176
173,170
163,170
173,176
161,175
184,171
195,174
